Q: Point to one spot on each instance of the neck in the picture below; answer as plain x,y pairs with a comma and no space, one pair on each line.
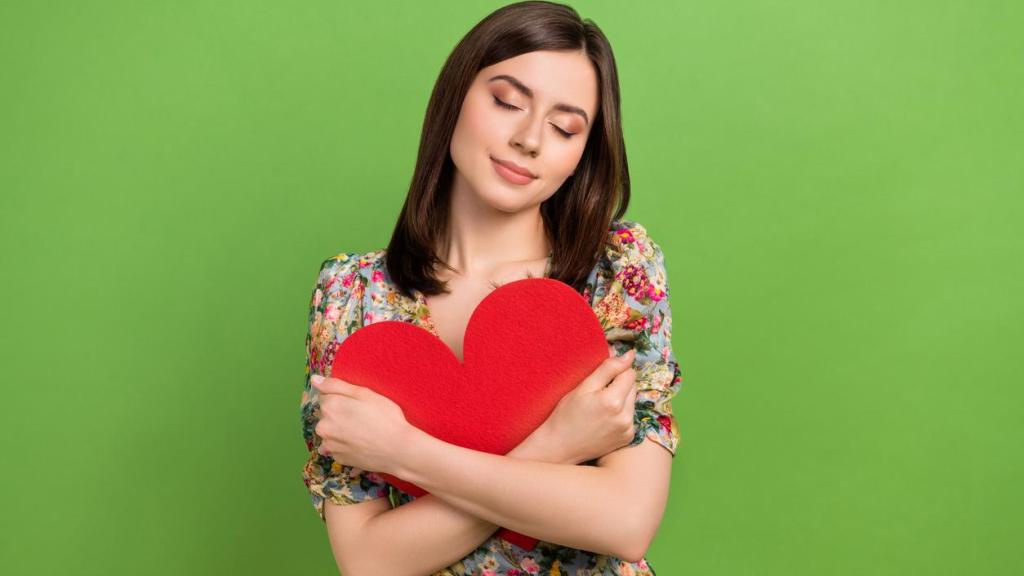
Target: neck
481,240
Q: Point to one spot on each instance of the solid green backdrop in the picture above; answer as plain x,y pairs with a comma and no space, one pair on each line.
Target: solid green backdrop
836,186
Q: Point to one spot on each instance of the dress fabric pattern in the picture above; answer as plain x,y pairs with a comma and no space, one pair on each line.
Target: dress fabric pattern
628,292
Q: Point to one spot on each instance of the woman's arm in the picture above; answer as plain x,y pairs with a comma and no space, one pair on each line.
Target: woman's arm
429,534
368,430
575,506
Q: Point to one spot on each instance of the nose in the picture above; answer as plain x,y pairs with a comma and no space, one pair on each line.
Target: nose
525,146
527,140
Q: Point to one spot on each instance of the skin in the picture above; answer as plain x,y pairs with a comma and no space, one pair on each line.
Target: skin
497,235
496,230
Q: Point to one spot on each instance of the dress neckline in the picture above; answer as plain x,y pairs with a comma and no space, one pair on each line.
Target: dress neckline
426,321
422,315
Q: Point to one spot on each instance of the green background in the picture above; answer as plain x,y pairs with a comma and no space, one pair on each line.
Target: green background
836,186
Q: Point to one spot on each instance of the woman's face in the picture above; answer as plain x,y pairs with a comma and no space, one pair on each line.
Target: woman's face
534,110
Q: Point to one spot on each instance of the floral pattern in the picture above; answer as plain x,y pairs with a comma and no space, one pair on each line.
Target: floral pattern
628,292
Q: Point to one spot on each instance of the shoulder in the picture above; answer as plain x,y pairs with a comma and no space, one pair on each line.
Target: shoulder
634,261
629,239
336,307
345,272
628,288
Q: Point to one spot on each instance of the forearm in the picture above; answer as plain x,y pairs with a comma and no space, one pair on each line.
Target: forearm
429,534
575,506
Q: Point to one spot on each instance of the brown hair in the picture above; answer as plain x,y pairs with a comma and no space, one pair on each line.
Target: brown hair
577,216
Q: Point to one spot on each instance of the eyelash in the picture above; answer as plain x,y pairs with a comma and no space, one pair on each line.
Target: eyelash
566,135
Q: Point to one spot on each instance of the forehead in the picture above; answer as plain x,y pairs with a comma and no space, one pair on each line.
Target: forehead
554,77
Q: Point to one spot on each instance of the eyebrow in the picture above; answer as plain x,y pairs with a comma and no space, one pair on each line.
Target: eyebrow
529,93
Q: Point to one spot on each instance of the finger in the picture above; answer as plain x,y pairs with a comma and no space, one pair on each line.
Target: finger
623,384
623,398
336,386
607,370
630,402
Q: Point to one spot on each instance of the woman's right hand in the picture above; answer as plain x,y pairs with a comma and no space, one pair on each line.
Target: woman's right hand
596,417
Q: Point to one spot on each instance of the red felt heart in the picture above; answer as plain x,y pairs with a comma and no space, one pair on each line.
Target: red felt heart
526,345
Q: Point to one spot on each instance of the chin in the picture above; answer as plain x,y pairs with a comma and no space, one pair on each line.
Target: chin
499,197
503,202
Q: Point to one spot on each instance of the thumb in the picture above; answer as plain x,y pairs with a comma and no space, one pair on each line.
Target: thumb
607,371
630,402
624,383
331,385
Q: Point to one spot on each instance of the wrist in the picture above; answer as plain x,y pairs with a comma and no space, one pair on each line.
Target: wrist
412,443
541,445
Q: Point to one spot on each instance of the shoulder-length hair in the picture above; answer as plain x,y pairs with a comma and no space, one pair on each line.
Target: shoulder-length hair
578,215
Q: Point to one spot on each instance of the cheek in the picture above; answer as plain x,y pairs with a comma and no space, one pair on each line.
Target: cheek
474,131
568,159
478,120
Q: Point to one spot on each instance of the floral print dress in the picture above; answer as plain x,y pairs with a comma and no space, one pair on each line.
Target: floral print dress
628,292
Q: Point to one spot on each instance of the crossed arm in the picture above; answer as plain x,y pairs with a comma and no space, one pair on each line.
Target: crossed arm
606,509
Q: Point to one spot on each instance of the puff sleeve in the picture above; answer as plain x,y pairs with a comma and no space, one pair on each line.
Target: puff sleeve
335,311
632,303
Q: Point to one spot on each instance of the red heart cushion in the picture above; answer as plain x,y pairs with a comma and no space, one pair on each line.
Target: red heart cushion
526,345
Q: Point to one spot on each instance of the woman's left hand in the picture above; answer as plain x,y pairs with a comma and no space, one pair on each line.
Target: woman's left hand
360,427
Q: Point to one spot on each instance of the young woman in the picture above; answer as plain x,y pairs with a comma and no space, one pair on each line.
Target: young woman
521,172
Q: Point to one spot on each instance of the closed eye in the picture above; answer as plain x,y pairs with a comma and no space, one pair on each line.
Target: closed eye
503,104
507,106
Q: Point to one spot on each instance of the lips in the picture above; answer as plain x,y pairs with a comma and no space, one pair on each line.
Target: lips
515,167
